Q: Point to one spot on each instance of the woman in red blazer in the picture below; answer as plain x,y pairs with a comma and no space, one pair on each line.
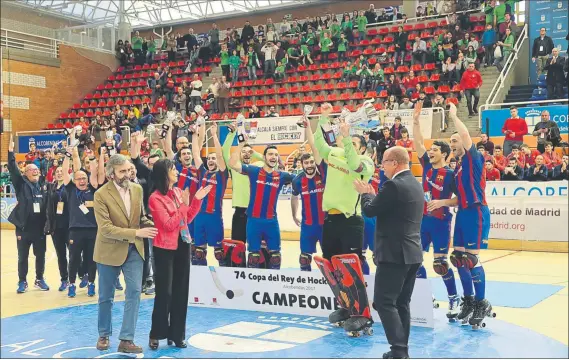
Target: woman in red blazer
172,212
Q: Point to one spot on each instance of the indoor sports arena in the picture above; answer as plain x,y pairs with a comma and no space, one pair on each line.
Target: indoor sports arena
284,179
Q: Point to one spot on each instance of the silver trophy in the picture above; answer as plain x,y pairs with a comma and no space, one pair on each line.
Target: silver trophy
428,197
306,111
362,116
199,110
240,123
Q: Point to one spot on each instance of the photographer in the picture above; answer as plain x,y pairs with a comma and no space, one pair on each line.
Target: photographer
546,130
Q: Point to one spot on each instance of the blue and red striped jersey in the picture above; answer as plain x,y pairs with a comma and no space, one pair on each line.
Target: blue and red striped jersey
265,189
470,178
188,178
440,183
311,191
378,179
213,201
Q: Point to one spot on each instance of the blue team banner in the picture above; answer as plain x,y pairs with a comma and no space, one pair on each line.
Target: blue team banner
7,204
532,115
42,142
552,15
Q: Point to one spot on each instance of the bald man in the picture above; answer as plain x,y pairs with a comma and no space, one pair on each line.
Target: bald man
29,218
398,254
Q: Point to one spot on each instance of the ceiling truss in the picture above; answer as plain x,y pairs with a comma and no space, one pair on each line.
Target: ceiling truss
147,13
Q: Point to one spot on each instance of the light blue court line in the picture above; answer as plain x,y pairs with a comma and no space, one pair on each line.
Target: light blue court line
72,333
502,293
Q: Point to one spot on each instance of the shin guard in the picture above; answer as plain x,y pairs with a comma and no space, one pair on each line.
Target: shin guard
218,252
201,256
352,283
254,260
275,260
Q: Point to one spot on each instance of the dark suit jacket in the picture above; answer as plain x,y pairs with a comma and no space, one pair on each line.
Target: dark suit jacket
555,73
399,210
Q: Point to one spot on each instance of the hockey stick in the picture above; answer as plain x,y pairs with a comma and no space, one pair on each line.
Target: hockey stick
229,293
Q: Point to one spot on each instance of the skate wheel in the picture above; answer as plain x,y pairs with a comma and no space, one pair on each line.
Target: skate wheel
475,327
483,325
368,331
353,333
493,315
435,305
338,324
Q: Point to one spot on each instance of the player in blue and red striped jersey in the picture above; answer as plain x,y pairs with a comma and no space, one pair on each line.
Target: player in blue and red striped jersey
377,180
262,223
309,187
472,223
208,228
438,185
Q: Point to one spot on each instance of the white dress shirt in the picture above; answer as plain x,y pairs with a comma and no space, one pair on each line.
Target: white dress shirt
125,196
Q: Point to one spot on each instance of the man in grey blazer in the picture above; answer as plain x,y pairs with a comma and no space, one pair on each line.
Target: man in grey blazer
399,210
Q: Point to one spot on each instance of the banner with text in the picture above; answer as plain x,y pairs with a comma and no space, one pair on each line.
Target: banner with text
275,130
42,142
552,15
286,291
388,119
522,210
531,114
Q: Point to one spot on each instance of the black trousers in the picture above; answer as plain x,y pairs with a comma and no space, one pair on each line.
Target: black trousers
60,239
555,90
82,241
394,285
239,224
172,284
148,261
342,235
25,240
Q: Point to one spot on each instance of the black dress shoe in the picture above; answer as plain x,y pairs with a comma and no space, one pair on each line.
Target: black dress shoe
179,344
153,344
390,355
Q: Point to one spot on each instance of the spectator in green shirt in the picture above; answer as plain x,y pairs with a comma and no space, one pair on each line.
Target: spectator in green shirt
137,48
309,38
151,49
377,77
293,55
347,28
507,45
279,71
362,22
325,45
252,61
499,14
439,56
305,55
342,47
224,57
234,63
489,11
336,30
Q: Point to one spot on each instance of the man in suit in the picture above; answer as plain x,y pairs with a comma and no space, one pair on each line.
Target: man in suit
119,246
399,210
555,76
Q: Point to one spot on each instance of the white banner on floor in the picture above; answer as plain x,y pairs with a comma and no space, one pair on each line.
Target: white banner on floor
275,130
527,189
292,292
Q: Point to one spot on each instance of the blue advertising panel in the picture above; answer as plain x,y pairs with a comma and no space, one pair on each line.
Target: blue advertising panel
42,142
7,204
532,115
552,15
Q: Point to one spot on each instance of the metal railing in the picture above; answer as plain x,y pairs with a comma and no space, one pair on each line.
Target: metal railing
28,42
421,18
508,65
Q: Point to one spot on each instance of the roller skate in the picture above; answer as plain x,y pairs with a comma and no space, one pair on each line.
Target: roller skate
339,317
453,307
356,325
482,309
466,309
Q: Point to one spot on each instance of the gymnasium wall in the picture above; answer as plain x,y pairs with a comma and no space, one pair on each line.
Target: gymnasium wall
300,12
34,95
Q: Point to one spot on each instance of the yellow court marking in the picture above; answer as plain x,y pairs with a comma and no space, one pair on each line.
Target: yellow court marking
550,317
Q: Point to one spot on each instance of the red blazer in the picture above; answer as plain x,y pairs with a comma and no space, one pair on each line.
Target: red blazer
169,219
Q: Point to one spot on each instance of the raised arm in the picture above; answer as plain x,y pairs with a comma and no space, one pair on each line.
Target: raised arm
101,168
196,147
310,140
460,127
76,159
320,143
15,174
220,161
93,172
234,161
418,141
65,167
226,148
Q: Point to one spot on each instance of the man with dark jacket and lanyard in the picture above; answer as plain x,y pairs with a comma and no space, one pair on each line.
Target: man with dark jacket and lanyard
29,217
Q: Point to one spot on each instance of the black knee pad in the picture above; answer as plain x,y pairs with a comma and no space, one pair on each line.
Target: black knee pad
254,259
440,265
305,260
469,260
456,258
275,260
